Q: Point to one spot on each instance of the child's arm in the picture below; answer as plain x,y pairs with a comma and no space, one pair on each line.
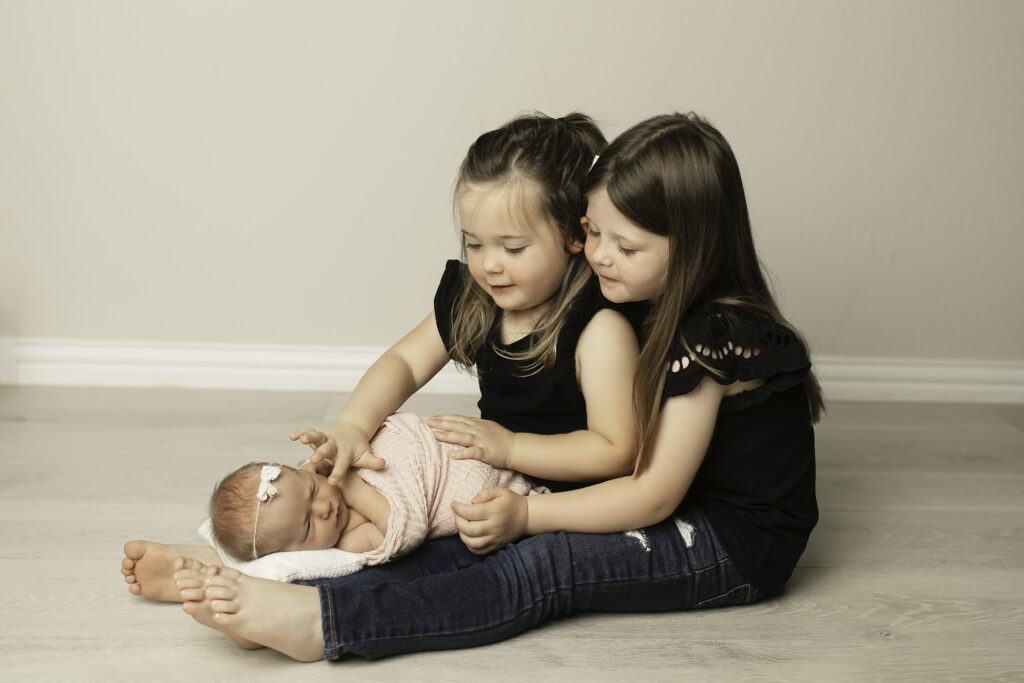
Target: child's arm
682,436
385,386
362,538
606,360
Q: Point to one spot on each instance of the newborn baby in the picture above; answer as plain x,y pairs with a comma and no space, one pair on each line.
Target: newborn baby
264,508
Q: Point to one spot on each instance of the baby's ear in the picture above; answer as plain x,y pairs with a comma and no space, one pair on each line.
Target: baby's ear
574,246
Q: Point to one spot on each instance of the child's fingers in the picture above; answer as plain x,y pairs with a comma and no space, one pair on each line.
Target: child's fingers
477,546
337,473
369,461
314,439
470,528
471,453
324,467
471,513
300,432
487,495
459,438
325,451
441,420
453,423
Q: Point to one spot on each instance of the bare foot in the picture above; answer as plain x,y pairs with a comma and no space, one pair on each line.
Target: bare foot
148,571
252,611
190,576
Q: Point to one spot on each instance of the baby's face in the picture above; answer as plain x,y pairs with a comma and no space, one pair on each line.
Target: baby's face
307,514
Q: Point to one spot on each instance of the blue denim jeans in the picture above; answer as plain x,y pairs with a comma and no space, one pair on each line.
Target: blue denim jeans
444,597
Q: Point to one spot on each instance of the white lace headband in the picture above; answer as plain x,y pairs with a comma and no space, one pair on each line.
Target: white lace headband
264,493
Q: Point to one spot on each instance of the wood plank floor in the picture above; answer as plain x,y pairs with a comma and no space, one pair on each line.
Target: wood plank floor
914,574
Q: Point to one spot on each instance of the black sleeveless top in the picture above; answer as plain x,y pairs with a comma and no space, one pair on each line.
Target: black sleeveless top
546,402
756,483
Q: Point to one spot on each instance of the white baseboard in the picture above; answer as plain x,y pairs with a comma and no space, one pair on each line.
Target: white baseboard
199,366
327,368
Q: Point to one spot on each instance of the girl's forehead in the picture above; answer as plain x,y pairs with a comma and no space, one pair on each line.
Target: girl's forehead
514,208
606,216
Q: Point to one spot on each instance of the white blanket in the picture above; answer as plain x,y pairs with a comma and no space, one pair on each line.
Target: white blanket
296,565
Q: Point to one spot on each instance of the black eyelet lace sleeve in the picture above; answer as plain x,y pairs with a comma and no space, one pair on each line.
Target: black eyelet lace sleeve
731,344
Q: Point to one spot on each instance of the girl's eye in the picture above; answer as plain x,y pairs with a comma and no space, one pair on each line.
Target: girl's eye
516,250
472,246
627,252
593,233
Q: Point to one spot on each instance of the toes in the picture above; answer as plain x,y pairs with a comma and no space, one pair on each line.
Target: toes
225,573
130,578
188,563
223,607
134,550
192,595
187,579
222,593
135,589
127,563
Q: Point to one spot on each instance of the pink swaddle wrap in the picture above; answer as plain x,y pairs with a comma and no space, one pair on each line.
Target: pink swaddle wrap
420,481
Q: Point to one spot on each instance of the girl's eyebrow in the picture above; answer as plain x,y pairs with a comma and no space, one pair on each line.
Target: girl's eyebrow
618,238
503,237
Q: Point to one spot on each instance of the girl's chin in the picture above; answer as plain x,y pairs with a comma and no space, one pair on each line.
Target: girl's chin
615,295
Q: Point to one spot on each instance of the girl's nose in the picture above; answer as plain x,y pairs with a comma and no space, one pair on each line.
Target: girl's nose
600,254
492,263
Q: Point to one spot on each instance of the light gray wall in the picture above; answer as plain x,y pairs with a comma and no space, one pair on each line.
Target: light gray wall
280,172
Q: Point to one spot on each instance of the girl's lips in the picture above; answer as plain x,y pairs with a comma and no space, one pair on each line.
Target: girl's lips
606,280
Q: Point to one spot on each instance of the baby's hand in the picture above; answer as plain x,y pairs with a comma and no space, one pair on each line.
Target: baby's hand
346,446
483,440
495,518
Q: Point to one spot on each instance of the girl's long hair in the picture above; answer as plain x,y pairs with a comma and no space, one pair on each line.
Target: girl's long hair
676,176
541,164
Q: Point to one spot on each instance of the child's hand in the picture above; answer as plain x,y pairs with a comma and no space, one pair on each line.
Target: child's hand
483,440
323,468
347,446
495,518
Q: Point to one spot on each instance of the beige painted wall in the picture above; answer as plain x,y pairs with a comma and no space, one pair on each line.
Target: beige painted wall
280,172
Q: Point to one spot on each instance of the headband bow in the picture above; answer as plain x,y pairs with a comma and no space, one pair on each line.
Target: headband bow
264,493
267,490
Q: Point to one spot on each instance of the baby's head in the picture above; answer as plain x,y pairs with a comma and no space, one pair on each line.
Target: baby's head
264,508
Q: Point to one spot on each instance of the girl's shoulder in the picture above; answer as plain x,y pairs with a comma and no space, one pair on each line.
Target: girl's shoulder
446,297
451,279
588,309
732,343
